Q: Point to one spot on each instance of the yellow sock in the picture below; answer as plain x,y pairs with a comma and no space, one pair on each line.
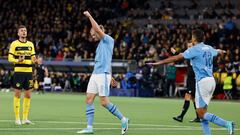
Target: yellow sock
26,107
16,107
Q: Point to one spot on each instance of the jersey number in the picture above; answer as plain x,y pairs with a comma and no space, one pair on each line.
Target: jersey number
208,59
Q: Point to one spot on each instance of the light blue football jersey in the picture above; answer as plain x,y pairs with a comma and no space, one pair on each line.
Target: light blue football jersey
103,56
201,57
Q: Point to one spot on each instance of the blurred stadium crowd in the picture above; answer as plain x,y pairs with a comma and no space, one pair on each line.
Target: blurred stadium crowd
144,30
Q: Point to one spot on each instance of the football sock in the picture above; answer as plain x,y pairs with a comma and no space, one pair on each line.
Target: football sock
113,109
26,108
90,115
185,108
215,119
195,109
205,127
16,107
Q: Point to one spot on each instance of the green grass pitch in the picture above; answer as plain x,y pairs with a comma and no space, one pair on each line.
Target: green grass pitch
64,114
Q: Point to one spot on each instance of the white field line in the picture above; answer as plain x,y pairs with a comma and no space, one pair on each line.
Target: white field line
156,129
147,126
97,123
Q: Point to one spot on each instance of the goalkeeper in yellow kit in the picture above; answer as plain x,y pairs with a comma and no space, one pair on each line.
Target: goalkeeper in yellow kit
22,55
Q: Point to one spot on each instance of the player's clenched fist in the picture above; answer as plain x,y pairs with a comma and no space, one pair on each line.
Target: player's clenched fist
35,60
21,58
87,14
113,82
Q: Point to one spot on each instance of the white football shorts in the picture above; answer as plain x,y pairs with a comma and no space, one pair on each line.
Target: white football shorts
204,91
99,84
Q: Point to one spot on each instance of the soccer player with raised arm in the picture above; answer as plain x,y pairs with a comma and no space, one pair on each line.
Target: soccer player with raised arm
22,55
100,80
201,57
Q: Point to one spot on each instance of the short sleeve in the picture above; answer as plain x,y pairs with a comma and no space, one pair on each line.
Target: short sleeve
109,40
189,53
33,50
12,48
214,51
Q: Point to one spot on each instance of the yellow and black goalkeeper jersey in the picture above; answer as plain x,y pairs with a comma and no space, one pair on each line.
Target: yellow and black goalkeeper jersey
18,48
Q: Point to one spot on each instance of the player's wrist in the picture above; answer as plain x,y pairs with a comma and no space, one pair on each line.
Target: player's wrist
89,16
158,63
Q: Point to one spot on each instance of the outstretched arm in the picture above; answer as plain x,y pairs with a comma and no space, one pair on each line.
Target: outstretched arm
95,26
220,51
168,60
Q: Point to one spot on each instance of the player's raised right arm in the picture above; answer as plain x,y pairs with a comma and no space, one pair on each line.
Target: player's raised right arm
95,25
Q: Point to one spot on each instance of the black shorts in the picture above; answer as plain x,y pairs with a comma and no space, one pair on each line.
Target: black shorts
22,80
191,87
40,79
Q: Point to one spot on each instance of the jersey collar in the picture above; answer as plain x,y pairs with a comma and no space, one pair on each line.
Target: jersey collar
22,42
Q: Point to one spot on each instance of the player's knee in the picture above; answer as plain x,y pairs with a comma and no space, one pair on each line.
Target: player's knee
201,113
187,97
89,100
27,96
103,103
17,93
